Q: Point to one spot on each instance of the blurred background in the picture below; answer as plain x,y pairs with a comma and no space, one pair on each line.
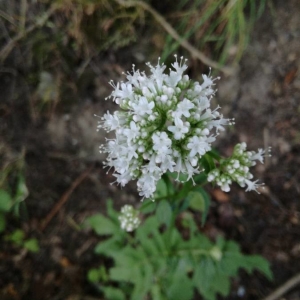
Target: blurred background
56,59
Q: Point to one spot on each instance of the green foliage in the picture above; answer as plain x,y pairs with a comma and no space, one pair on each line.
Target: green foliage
164,212
11,201
225,25
161,264
17,237
199,200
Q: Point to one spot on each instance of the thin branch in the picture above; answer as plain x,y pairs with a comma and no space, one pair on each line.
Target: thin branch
64,198
183,42
22,34
291,283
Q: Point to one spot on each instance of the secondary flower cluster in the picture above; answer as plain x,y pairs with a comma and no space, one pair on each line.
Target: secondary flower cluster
129,219
236,169
165,124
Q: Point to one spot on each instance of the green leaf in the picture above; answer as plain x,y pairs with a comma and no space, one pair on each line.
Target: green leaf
21,194
97,275
186,188
259,263
200,179
147,243
112,244
5,201
164,212
110,211
204,274
102,225
221,284
2,222
182,177
180,287
214,154
112,293
199,200
161,189
144,282
16,237
22,191
208,163
147,207
94,275
32,245
156,292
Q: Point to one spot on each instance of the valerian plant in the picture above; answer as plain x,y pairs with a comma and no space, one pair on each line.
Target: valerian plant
158,263
164,132
166,124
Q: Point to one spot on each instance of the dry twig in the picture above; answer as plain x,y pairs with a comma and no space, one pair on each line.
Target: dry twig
22,34
65,198
183,42
291,283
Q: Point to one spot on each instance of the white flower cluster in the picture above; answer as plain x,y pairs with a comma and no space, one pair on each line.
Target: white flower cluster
165,123
236,169
129,218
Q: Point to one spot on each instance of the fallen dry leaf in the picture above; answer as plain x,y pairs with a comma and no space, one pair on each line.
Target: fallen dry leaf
220,196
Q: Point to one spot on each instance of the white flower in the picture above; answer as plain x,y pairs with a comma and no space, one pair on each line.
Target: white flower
129,219
161,142
132,132
253,185
109,122
143,107
165,124
124,93
237,168
179,129
198,145
183,107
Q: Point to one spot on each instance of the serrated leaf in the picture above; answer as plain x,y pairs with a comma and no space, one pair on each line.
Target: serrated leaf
102,225
229,264
5,201
259,263
164,212
204,274
32,245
